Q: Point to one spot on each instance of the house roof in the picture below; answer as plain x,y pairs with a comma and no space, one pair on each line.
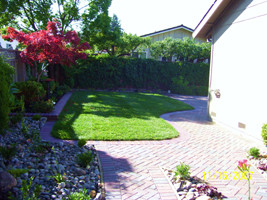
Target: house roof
169,29
203,29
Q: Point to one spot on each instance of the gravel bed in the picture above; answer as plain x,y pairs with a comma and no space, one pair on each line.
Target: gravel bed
43,161
260,163
192,188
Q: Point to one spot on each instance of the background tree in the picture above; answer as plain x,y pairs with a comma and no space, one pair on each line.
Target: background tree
130,43
33,15
99,29
184,50
49,46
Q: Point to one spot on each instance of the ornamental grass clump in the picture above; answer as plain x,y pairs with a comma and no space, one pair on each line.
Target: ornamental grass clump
183,171
84,159
81,142
255,152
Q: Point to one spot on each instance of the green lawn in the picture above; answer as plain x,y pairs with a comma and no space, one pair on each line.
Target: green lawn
116,116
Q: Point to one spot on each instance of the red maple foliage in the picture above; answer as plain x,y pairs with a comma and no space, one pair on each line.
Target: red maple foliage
49,46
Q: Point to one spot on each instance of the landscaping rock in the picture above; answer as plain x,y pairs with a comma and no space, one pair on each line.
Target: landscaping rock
47,164
204,198
7,182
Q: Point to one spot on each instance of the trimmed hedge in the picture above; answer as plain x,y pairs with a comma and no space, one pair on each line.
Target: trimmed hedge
6,72
114,73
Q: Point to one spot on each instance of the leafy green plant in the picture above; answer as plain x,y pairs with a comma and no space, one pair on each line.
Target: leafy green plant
6,72
255,152
30,191
81,142
183,171
79,195
264,133
42,106
31,90
17,172
7,152
16,118
36,117
84,159
58,177
25,130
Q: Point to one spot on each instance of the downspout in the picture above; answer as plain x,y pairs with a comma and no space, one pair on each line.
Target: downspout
210,79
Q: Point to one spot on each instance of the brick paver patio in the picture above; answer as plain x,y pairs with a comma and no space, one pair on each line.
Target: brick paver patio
132,169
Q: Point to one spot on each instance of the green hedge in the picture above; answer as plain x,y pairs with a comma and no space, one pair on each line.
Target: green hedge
6,72
113,73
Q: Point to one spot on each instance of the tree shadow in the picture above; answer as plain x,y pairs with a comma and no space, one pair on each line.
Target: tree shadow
112,167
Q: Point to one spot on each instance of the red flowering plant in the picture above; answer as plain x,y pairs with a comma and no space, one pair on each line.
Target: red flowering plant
48,46
244,167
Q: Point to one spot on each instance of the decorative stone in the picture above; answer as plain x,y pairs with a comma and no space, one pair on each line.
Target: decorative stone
79,171
93,194
190,196
204,198
7,182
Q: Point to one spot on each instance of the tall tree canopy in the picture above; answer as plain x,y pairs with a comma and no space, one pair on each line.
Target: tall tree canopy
105,32
48,46
33,15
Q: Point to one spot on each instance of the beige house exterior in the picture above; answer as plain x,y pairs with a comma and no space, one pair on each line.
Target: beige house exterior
238,72
177,32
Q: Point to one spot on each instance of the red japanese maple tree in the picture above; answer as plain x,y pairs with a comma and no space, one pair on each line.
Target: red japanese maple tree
49,46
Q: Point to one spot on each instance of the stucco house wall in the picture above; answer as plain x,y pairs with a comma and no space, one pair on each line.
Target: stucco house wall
239,67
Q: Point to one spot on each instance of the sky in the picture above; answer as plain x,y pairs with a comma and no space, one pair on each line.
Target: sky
147,16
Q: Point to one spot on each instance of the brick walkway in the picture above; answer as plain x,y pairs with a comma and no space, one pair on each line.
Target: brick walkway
131,169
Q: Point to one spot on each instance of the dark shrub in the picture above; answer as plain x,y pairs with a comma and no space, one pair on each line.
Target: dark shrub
31,90
42,106
149,74
6,72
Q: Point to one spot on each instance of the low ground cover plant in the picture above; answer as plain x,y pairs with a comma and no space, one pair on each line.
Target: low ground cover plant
116,116
254,151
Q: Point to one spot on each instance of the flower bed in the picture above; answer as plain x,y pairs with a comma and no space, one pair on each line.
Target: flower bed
44,170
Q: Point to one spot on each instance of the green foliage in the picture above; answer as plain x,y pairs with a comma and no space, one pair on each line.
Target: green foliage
36,117
112,73
254,151
33,15
183,171
29,190
6,72
31,90
18,172
84,159
79,195
16,118
42,106
184,50
81,142
58,177
7,152
264,133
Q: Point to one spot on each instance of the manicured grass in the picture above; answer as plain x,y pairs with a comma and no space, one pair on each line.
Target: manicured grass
116,116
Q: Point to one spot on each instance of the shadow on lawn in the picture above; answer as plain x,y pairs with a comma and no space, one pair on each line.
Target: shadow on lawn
130,105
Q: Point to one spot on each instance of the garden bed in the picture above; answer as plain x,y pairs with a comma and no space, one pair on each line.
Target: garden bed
191,188
44,170
55,113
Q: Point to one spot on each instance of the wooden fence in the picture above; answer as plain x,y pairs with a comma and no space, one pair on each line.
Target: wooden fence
12,57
